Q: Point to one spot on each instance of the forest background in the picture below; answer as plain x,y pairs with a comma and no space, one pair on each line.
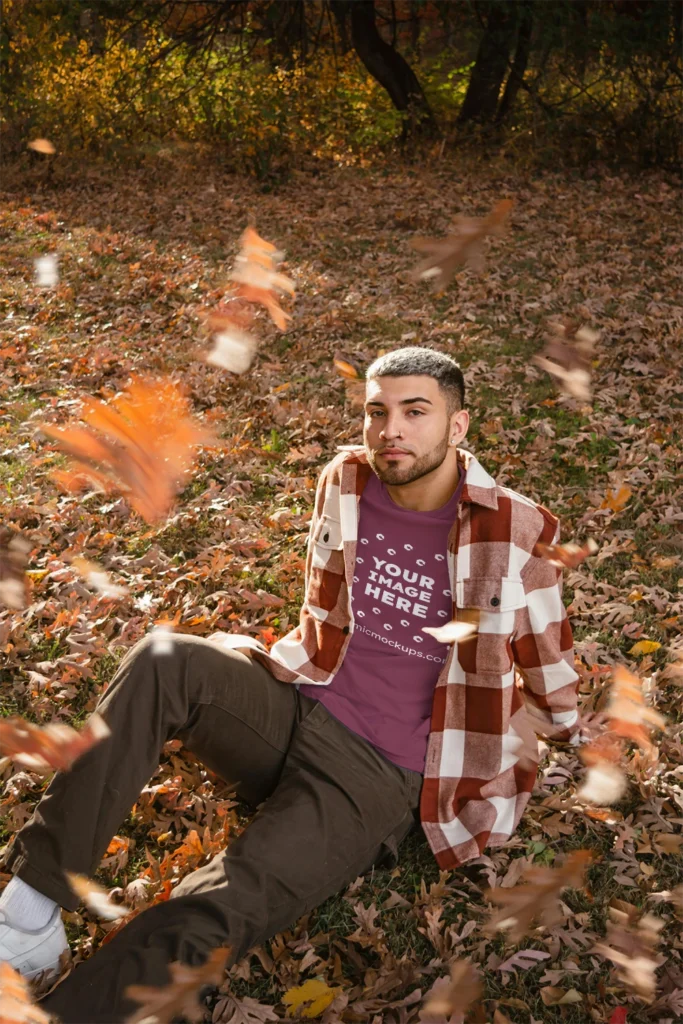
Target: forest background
340,129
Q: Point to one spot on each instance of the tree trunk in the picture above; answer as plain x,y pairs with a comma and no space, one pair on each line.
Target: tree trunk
491,65
519,64
387,66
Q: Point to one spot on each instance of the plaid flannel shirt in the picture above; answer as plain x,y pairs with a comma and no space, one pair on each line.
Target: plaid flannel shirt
475,785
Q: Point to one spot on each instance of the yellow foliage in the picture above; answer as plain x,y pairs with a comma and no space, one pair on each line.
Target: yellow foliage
645,647
314,995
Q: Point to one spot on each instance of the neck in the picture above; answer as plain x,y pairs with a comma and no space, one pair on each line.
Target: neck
428,492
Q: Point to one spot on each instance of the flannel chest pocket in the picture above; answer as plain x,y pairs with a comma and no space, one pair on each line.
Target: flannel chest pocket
491,602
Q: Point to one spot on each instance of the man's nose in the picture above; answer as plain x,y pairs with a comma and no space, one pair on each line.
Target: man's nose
390,429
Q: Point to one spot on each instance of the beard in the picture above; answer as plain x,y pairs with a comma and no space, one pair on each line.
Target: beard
396,474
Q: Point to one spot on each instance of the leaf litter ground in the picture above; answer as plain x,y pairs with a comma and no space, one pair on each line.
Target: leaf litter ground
140,266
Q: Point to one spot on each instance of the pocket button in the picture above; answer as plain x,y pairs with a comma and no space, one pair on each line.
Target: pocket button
495,601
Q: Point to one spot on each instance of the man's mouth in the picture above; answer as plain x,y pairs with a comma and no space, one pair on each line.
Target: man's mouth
394,453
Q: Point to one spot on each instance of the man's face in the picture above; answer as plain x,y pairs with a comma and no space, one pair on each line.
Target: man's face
407,428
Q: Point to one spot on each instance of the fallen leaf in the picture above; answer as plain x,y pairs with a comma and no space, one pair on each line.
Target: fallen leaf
616,501
310,999
523,959
645,647
559,997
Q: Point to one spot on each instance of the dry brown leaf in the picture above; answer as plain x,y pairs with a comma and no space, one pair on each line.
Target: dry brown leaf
464,246
567,357
144,447
630,944
14,552
538,898
180,997
453,995
16,1004
45,748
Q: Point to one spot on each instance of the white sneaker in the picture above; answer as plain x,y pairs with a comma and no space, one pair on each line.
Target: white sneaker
31,953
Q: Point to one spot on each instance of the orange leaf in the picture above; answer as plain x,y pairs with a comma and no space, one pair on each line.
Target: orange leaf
565,556
54,746
16,1005
145,450
616,502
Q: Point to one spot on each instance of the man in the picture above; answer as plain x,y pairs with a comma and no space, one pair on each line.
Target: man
385,724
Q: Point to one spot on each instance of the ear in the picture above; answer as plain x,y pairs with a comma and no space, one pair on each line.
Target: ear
459,425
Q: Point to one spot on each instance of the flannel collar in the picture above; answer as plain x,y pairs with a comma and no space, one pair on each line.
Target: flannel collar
479,489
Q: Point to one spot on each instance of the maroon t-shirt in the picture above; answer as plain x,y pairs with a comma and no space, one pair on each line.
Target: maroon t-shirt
383,690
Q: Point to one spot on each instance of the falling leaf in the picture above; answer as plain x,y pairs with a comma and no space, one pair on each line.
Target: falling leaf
616,501
95,576
14,552
538,898
567,357
162,639
42,146
54,746
181,996
565,556
310,999
47,275
629,715
451,632
464,246
645,647
630,943
233,350
16,1004
256,278
95,897
354,384
146,447
603,785
449,996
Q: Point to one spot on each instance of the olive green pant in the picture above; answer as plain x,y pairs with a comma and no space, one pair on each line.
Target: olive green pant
332,807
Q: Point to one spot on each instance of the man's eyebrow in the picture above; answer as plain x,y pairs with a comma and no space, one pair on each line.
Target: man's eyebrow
404,401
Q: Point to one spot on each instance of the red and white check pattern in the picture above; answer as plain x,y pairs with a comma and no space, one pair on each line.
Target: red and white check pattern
474,789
